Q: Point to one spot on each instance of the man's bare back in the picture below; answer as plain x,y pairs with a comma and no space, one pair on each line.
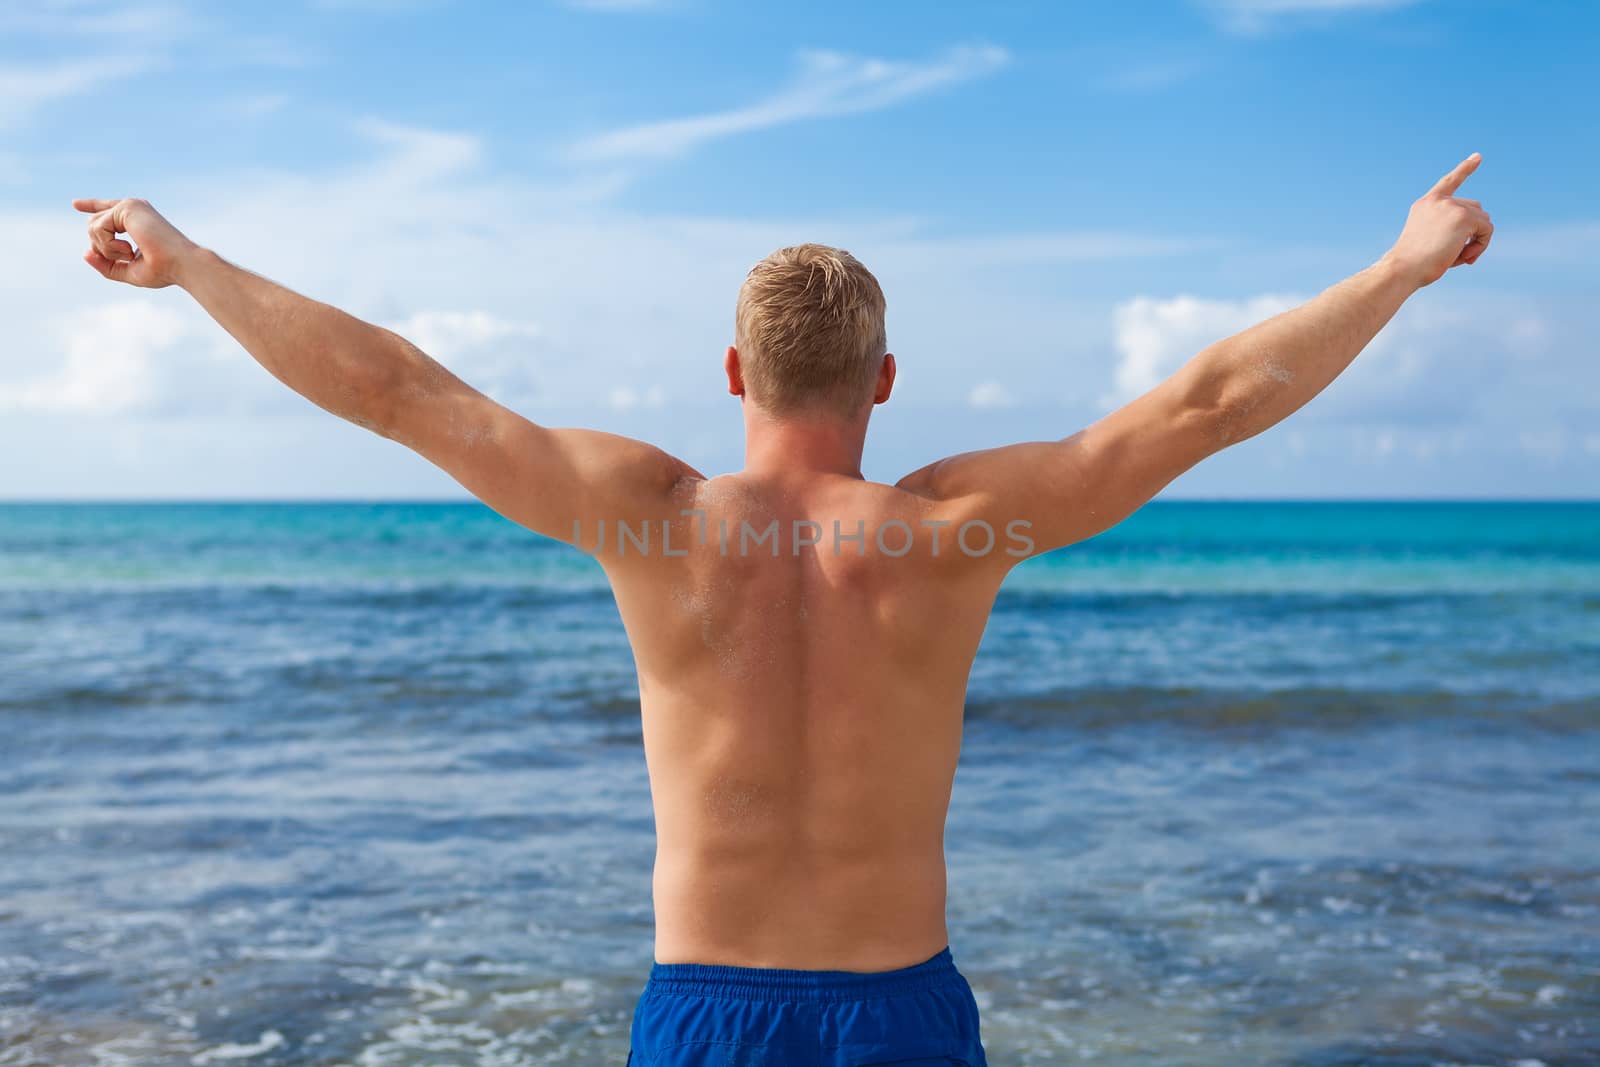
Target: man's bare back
802,712
802,709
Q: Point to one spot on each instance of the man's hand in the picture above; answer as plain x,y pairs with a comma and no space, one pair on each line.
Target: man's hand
158,249
1443,230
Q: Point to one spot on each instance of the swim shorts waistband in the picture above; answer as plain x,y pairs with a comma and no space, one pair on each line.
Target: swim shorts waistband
777,983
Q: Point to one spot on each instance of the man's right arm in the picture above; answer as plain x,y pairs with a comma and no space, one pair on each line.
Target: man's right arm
1074,488
562,483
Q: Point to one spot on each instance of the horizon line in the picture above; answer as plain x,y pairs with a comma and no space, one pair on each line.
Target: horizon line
469,500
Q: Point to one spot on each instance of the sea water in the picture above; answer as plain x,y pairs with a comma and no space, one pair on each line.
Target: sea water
1263,783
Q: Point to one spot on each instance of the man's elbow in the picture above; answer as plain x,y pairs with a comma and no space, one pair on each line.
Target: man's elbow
387,395
1205,412
370,404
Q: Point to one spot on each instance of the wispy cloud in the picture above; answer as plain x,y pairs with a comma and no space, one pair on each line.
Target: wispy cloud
104,18
375,7
1011,250
1150,76
25,89
256,106
418,153
1256,16
1550,243
1268,8
990,395
615,5
828,84
109,361
627,398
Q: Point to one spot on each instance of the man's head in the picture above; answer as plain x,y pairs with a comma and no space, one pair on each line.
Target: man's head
809,334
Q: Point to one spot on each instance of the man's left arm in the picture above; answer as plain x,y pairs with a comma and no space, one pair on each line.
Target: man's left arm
546,479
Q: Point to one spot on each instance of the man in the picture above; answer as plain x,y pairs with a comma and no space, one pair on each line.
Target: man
803,636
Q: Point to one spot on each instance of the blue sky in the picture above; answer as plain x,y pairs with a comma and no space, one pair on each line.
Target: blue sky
1062,201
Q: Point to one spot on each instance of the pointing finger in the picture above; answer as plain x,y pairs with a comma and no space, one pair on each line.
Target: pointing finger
1448,185
91,205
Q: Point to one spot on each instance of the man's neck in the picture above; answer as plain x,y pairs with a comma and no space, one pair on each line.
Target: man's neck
803,443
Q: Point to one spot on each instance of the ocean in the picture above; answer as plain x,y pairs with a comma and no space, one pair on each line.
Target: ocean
1302,784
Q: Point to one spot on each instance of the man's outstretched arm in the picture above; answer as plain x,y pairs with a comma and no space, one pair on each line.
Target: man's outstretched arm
545,479
1074,488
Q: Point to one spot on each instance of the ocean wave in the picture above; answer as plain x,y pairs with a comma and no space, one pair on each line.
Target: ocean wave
1325,708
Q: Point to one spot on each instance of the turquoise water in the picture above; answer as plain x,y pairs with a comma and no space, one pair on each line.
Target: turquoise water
1168,547
363,784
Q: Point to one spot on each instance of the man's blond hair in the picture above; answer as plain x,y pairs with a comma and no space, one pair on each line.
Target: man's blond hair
809,330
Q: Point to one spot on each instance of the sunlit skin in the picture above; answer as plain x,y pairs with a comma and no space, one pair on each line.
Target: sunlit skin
802,712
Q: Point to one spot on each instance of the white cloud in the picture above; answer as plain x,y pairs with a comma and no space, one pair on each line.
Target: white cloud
109,365
122,40
1155,337
1149,76
417,154
829,83
375,7
1040,248
627,398
102,18
493,354
990,395
615,5
1255,16
25,89
256,106
1551,243
1294,7
138,357
446,334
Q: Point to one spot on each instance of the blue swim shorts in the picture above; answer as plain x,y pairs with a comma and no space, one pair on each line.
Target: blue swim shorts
713,1015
